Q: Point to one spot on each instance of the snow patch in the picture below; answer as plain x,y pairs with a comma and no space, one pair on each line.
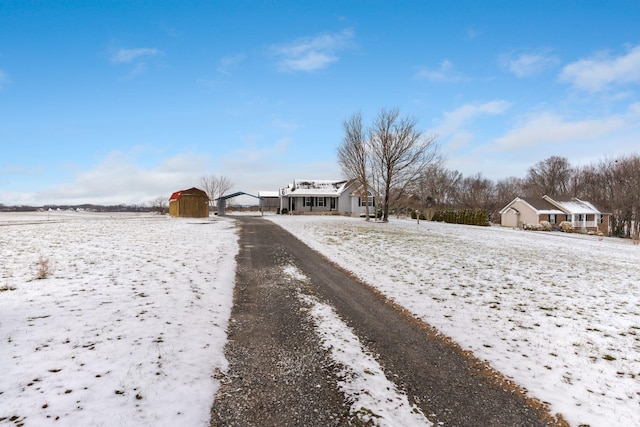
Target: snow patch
375,399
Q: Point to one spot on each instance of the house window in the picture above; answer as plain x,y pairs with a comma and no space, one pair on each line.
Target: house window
599,219
307,201
552,218
369,200
580,217
321,201
568,217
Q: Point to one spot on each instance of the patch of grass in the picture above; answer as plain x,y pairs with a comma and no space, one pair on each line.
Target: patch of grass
43,268
365,413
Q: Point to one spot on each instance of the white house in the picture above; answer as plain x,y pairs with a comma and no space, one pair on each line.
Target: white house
314,196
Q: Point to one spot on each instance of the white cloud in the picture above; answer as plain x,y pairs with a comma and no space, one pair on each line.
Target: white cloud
452,129
548,128
454,121
528,64
127,56
444,73
314,53
601,71
254,168
277,174
251,158
458,141
120,179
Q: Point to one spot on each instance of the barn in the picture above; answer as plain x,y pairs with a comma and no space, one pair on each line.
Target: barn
191,203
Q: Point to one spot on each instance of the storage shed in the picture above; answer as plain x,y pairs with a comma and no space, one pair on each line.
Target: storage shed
191,203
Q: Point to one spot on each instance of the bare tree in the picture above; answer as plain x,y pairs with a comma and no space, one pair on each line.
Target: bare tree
623,179
439,186
399,155
353,156
507,189
215,186
585,184
476,192
159,205
552,176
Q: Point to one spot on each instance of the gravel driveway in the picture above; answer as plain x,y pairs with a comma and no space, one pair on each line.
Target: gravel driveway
279,374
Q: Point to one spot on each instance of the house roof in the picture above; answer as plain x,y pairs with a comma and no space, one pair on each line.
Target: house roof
315,187
359,191
193,191
555,205
537,204
572,205
542,205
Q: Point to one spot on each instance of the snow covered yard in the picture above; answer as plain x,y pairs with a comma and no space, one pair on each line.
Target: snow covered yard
129,326
557,313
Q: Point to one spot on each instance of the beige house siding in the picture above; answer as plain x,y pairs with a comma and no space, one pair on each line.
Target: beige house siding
510,218
527,215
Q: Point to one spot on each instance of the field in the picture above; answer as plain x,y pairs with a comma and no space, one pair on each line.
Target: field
557,313
127,328
128,325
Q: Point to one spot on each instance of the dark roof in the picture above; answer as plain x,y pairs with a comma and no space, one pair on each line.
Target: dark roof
539,203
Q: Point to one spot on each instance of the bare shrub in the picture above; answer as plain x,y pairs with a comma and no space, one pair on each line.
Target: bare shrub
534,227
43,268
566,226
546,225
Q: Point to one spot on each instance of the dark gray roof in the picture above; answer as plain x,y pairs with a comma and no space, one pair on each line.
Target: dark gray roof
539,203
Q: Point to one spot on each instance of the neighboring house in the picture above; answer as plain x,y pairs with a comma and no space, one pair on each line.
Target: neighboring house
191,203
583,215
305,196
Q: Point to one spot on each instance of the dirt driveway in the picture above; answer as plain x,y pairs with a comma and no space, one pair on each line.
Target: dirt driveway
279,374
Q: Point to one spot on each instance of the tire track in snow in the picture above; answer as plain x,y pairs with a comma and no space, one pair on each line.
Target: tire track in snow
375,398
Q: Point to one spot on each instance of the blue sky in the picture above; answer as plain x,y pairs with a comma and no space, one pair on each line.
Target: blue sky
125,101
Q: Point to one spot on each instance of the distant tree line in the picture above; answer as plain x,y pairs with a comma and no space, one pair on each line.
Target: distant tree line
82,207
611,184
421,181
